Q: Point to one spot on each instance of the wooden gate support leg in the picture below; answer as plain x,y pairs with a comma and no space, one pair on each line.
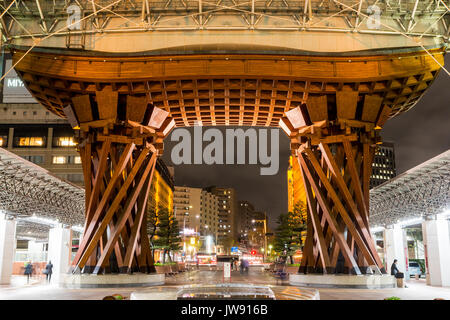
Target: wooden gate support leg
335,163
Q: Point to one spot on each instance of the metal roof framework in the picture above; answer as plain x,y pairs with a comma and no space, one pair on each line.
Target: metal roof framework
153,15
421,191
27,190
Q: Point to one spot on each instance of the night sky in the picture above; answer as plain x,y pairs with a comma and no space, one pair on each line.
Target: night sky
418,135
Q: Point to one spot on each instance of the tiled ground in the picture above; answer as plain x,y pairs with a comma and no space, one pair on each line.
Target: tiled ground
39,289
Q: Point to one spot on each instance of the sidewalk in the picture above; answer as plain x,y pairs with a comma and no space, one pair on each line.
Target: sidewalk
39,289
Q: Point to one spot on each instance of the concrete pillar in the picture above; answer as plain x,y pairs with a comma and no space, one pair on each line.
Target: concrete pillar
7,248
10,138
50,138
59,247
395,248
436,241
36,251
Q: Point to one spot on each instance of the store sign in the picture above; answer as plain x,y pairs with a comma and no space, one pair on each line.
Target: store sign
227,270
14,90
234,249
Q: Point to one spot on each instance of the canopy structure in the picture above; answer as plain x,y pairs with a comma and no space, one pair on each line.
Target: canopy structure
421,191
33,193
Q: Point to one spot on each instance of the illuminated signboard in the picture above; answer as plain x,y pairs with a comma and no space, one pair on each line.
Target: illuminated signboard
14,90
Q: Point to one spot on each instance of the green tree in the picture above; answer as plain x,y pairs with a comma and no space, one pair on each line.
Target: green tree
288,234
152,227
297,219
229,242
167,236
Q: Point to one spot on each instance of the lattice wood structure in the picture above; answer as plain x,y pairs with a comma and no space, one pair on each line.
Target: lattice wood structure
124,106
118,143
335,158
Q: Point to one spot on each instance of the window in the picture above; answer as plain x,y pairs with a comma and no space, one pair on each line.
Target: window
31,142
59,160
65,142
75,177
34,159
74,159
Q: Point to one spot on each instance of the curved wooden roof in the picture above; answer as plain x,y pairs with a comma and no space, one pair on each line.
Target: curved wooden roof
236,89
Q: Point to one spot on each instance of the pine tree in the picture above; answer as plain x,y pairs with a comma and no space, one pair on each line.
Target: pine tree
167,234
288,234
152,227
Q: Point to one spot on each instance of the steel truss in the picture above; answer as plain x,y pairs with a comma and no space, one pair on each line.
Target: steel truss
421,191
27,189
401,16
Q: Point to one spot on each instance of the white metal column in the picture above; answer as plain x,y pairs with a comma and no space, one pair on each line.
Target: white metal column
395,248
59,247
436,241
7,248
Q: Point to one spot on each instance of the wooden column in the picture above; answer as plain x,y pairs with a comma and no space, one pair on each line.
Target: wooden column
119,140
335,159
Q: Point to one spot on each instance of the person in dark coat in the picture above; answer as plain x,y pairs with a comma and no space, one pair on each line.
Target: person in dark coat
49,271
28,271
394,269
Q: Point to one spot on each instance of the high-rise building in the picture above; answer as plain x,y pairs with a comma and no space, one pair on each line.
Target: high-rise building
257,233
162,188
196,209
227,213
245,215
41,137
383,165
296,190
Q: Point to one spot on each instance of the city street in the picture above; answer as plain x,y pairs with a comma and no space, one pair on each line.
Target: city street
38,289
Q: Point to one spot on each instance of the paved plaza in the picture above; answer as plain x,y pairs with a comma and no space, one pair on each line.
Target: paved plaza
39,289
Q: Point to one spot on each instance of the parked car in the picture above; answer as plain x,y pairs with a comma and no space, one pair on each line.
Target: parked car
414,268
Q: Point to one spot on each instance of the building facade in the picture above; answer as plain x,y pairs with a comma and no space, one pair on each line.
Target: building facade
162,188
383,166
245,214
41,137
196,210
296,189
227,214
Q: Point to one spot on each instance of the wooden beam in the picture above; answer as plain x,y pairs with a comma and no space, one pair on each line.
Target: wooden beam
327,212
132,242
124,159
340,207
131,201
318,232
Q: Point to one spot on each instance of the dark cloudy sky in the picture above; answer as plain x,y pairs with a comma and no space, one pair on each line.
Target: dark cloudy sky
418,135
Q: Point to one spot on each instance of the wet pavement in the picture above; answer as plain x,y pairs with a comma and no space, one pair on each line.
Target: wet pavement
39,289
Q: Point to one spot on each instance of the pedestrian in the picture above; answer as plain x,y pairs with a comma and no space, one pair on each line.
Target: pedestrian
28,271
394,269
396,272
49,271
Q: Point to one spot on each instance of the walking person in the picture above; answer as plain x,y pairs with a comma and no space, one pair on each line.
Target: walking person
28,271
49,271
